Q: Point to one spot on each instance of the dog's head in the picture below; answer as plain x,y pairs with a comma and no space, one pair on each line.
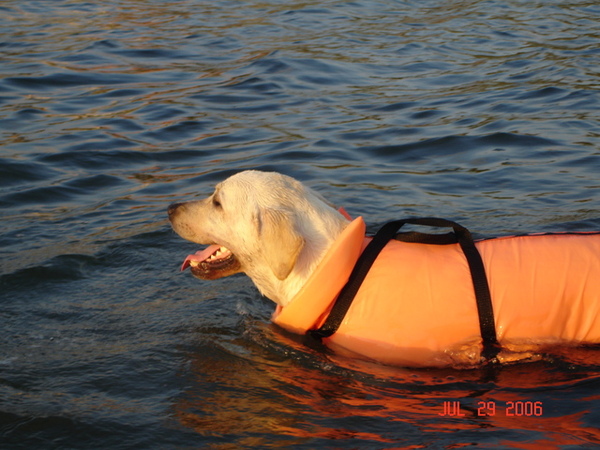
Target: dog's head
249,221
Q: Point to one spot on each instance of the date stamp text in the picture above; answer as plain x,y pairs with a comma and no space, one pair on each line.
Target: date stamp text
493,408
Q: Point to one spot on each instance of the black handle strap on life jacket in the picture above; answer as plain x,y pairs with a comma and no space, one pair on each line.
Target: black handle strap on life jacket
389,231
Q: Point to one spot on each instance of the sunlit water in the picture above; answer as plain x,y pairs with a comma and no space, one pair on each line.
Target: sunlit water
484,112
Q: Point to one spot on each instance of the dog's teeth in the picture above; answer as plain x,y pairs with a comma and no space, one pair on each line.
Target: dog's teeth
215,255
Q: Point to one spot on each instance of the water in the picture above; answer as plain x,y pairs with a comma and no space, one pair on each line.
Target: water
482,112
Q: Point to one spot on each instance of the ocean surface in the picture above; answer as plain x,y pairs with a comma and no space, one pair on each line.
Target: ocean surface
482,112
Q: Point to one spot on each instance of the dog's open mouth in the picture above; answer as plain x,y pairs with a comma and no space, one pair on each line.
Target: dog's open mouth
213,262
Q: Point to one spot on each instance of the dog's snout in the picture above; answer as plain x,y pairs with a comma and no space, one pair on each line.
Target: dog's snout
173,208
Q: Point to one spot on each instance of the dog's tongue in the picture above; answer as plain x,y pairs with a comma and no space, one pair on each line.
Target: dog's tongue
199,256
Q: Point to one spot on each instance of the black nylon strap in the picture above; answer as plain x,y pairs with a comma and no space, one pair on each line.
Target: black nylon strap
388,232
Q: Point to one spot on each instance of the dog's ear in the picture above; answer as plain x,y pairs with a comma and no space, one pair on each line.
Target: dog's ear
280,241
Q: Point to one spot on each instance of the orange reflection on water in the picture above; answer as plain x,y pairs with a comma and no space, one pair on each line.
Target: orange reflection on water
291,402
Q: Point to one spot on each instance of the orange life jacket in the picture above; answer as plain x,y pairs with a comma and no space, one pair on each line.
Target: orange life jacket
417,304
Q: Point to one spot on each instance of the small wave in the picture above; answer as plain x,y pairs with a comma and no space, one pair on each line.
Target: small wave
64,193
454,144
16,172
56,271
94,159
68,80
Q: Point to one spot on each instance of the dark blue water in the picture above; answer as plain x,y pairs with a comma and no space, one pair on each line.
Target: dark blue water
484,112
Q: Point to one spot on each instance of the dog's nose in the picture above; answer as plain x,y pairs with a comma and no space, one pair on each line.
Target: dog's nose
173,209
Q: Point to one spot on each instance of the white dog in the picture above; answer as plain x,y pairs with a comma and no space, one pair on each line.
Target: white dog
416,305
268,225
